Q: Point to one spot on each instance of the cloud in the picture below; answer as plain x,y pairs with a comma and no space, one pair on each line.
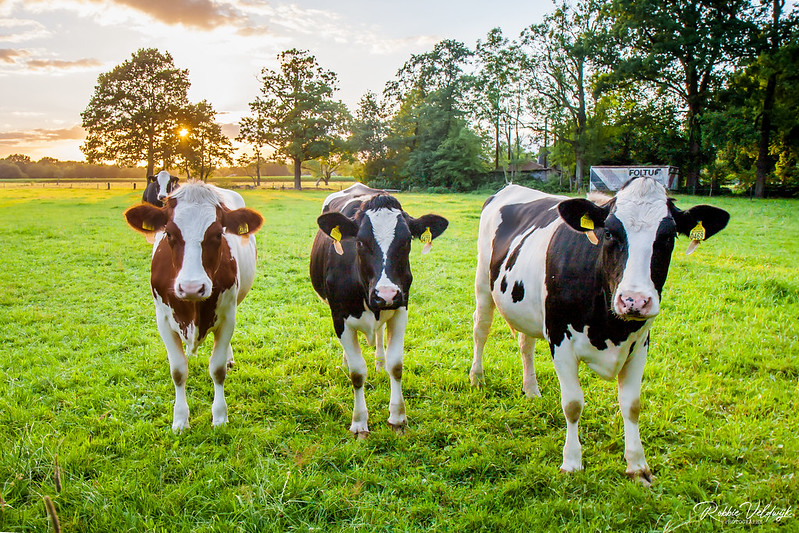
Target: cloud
11,56
39,135
61,64
201,14
24,61
18,30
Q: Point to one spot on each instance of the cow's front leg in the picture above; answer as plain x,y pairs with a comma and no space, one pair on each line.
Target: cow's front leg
179,370
483,317
529,381
571,400
396,342
380,349
217,368
357,369
630,404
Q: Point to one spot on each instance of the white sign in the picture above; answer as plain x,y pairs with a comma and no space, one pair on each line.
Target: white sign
606,179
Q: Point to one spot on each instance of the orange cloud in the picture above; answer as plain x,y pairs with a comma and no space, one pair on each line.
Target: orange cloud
60,64
11,56
40,135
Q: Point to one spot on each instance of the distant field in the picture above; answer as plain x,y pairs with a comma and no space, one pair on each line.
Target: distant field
86,387
267,182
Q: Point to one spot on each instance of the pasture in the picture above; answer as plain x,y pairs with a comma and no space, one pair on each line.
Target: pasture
86,397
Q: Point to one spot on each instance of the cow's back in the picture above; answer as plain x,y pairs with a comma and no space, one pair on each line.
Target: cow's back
516,227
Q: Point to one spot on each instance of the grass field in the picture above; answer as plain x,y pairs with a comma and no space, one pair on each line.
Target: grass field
86,397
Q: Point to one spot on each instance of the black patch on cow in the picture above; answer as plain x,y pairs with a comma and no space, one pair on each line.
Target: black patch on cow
150,194
632,348
661,252
488,201
518,219
518,292
577,292
503,285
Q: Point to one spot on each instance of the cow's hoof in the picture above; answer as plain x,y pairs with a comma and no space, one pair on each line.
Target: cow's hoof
570,468
477,379
230,364
399,429
219,422
360,430
180,427
531,393
644,477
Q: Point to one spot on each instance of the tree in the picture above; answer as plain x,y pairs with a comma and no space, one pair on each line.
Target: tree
134,111
296,114
202,146
682,47
370,129
252,130
561,55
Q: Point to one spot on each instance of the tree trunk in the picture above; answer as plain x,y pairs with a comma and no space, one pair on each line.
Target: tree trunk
764,162
297,174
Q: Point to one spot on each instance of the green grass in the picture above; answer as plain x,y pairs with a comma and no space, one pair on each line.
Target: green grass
85,385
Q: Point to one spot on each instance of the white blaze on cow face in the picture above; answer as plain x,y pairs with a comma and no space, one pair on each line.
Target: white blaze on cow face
384,227
193,221
640,207
163,178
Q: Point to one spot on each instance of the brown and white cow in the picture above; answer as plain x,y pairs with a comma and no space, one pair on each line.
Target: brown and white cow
592,299
360,266
203,264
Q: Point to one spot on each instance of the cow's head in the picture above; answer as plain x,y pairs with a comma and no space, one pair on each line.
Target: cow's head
166,184
636,232
191,227
382,232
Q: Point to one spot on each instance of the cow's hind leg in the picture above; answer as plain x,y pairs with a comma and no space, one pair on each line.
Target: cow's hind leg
217,368
571,401
630,404
483,317
529,381
179,369
357,369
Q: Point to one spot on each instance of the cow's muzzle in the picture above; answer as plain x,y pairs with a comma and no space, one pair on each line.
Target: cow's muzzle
635,306
387,297
191,290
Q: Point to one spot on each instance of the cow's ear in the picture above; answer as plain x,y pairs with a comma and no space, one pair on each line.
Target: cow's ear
434,223
146,218
150,179
337,226
243,221
699,221
173,180
582,214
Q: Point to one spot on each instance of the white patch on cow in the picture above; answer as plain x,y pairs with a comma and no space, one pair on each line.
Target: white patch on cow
384,227
640,207
348,192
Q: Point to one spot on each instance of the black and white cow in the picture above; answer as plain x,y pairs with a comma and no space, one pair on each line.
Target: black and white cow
159,187
360,267
592,299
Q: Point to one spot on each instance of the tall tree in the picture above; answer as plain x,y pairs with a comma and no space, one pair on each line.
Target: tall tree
370,128
300,117
679,46
561,54
133,113
252,130
202,146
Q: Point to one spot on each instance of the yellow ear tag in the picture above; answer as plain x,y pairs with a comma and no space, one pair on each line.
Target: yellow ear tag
335,234
147,226
698,233
244,228
427,240
586,222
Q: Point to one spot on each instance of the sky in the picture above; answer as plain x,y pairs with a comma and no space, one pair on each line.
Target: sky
52,51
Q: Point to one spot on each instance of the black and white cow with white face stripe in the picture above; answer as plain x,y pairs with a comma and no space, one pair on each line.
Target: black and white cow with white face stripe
360,266
592,299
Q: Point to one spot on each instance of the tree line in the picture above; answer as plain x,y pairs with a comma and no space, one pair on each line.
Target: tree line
708,86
